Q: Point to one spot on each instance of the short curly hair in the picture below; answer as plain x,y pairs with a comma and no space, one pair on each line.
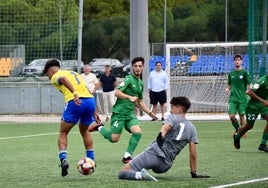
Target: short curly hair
51,63
181,101
136,59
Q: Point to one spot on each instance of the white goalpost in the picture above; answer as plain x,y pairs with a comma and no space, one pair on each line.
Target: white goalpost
199,72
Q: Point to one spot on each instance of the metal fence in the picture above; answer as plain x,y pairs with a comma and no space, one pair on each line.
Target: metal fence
206,94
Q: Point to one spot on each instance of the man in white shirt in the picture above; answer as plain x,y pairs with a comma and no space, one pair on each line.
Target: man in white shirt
91,80
157,86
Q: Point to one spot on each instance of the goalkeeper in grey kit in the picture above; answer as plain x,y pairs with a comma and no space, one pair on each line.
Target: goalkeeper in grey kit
175,134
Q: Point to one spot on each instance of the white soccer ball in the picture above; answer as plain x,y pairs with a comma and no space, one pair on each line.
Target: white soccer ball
86,166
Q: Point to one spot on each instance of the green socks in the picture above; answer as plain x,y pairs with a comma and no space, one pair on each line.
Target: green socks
133,142
264,138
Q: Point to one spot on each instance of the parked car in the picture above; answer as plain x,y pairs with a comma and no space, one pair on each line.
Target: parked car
71,65
126,61
97,66
35,68
127,66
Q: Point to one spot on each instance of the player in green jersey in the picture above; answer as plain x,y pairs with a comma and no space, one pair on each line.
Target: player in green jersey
129,93
258,104
238,82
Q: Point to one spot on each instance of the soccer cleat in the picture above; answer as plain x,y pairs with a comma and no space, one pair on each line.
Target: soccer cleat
126,160
94,127
263,147
162,119
236,142
64,167
147,176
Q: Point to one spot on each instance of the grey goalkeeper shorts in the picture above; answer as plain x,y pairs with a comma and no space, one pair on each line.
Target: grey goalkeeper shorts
149,161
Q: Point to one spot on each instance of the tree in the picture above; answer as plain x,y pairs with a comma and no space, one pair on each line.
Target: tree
106,38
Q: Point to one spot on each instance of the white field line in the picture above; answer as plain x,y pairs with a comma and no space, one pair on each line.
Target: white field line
219,186
241,183
48,134
28,136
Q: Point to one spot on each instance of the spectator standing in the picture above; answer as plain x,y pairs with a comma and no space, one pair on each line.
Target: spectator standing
258,104
238,82
92,82
175,134
79,107
129,94
108,84
157,85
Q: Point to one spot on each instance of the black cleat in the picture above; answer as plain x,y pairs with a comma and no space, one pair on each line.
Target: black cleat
236,142
126,160
263,147
95,127
64,167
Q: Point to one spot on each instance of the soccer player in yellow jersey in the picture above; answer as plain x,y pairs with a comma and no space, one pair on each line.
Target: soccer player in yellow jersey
79,107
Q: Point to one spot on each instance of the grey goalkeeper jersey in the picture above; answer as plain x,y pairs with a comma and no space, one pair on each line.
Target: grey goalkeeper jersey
181,133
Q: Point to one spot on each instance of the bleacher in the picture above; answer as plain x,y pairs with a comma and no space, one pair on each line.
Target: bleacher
10,66
5,66
202,64
173,61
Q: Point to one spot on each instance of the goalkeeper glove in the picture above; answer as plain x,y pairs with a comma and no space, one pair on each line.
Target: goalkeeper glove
195,175
160,140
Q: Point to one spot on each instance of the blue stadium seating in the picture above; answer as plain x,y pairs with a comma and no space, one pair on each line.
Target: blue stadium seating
206,64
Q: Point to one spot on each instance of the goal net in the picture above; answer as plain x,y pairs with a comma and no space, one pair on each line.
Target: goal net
199,71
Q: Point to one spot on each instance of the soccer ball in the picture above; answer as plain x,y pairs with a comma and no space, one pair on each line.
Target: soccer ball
86,166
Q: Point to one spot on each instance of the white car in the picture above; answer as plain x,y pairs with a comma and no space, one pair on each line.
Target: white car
35,68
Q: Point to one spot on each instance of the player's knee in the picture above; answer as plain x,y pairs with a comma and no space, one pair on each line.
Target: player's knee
115,138
232,117
135,129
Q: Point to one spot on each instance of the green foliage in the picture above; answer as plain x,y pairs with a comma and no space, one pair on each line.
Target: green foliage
106,38
102,9
106,25
30,157
35,24
238,20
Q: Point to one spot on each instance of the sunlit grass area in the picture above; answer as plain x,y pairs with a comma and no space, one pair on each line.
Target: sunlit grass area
29,157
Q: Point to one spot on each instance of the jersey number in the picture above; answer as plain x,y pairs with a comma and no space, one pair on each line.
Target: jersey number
251,117
182,125
75,77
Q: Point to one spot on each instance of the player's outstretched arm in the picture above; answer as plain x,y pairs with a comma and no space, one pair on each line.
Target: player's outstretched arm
256,97
141,104
193,163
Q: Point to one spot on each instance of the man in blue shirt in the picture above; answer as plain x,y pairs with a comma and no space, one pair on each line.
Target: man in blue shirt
157,86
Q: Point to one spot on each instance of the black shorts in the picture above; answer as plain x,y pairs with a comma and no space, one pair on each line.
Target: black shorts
156,97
